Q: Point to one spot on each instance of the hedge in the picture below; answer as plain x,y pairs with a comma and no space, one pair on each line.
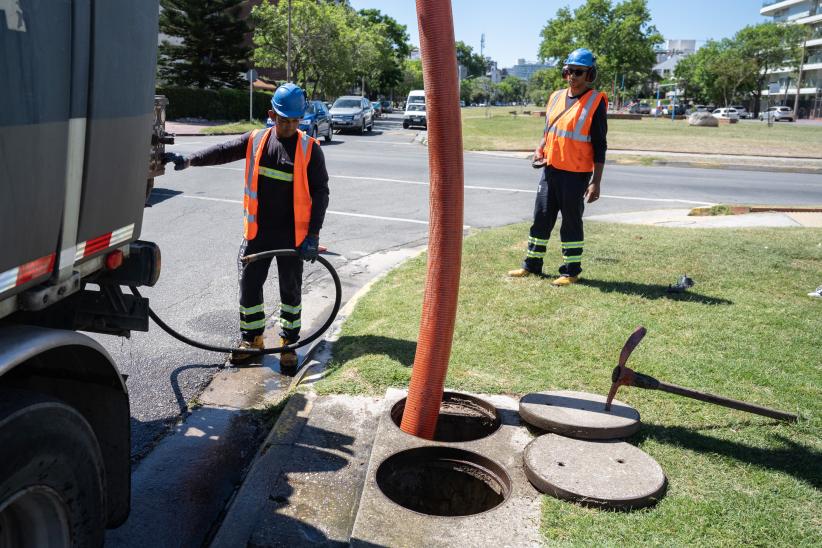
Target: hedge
221,104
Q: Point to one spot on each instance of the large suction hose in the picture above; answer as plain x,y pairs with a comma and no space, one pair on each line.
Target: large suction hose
439,307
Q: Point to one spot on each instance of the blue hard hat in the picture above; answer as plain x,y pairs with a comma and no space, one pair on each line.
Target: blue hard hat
581,57
289,101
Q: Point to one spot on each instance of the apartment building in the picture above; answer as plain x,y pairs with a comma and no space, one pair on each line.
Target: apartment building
800,12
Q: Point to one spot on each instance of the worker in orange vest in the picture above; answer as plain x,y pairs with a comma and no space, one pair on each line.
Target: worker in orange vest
286,195
571,156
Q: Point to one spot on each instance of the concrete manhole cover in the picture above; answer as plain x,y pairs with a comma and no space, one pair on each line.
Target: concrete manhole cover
579,414
611,474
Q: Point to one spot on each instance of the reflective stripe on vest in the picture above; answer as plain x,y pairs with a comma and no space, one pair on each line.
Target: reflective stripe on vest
568,141
302,197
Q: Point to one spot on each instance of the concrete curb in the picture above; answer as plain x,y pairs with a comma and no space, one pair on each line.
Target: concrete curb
735,209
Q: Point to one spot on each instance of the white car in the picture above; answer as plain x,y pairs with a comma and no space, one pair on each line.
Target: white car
777,113
742,111
729,113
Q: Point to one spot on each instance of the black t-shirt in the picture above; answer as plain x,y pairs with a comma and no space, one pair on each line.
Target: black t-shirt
275,197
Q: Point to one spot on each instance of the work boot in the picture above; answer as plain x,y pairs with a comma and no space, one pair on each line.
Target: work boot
565,280
288,358
519,273
238,356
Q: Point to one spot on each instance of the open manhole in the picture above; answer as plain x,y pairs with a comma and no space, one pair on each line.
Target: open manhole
443,481
462,417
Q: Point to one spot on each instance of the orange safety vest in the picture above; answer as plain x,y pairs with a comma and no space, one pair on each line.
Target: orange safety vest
568,138
302,197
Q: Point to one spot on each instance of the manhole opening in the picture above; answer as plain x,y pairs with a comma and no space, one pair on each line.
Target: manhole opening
443,481
462,418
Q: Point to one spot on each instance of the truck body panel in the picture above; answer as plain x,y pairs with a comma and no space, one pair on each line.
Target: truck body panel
75,134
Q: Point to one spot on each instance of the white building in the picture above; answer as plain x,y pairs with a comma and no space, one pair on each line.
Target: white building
525,70
670,54
800,12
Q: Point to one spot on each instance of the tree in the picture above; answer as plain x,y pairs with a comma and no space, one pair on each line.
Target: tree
770,46
321,38
542,84
211,53
333,47
392,73
473,62
722,72
411,77
512,89
620,36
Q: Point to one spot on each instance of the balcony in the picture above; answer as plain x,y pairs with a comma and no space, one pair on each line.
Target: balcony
771,6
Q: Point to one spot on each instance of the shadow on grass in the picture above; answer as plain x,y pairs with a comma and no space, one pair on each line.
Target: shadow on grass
350,348
792,458
651,291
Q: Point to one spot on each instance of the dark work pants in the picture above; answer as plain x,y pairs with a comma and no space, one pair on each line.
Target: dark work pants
252,278
559,192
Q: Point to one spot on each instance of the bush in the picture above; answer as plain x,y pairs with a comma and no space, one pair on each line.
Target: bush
221,104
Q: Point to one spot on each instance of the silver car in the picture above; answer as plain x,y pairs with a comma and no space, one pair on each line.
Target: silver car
352,112
777,114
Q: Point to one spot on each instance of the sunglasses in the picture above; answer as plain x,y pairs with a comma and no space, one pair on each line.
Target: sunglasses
575,72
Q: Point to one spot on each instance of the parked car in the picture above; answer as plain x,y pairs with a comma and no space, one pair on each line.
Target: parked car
742,111
728,113
777,114
640,108
677,110
387,107
317,121
377,106
352,112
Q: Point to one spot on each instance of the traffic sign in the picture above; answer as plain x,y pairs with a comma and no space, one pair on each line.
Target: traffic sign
251,75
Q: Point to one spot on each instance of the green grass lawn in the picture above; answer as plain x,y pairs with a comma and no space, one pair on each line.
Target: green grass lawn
746,330
502,131
236,127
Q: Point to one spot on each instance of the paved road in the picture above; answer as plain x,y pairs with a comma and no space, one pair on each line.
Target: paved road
379,202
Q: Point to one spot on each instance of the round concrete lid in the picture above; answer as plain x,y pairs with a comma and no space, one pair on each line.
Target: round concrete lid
612,474
579,415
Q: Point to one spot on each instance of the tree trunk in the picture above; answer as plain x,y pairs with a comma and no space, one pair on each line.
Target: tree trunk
799,81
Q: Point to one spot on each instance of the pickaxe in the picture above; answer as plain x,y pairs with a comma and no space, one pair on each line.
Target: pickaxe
625,376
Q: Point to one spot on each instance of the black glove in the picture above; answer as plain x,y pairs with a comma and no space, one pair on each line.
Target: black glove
310,248
181,161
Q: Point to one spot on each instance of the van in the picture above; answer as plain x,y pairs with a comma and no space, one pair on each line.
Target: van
415,110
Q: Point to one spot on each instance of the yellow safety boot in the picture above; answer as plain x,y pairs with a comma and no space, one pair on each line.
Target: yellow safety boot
519,273
288,358
565,280
238,356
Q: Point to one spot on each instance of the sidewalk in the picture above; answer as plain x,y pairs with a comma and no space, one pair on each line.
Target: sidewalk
688,159
680,218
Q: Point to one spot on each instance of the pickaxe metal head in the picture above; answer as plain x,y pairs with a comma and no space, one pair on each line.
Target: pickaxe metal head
623,375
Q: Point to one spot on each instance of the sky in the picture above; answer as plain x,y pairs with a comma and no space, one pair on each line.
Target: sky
512,32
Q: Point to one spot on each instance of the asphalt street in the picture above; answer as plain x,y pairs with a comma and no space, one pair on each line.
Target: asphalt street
379,202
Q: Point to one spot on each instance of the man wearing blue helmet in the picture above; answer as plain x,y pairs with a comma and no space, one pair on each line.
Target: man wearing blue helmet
286,195
571,158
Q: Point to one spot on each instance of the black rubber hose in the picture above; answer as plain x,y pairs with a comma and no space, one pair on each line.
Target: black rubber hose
255,351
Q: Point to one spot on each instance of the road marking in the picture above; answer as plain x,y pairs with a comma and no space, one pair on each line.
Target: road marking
328,212
505,189
500,189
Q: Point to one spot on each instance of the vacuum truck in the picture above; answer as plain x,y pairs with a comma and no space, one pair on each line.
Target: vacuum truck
78,134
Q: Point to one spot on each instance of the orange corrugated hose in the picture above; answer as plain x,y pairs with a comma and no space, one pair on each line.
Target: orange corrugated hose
439,307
